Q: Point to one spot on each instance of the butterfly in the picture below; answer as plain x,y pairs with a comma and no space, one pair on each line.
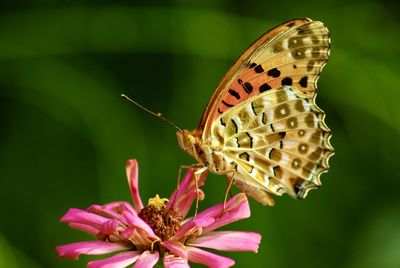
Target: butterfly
262,127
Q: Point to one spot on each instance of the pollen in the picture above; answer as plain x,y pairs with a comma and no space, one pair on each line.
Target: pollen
157,202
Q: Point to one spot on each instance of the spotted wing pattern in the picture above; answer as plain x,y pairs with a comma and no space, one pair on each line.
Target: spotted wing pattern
278,142
291,54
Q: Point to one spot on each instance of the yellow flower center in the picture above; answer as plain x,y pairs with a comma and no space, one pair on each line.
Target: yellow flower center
157,202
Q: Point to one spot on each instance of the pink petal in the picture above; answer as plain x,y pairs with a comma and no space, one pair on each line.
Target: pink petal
147,260
140,234
75,215
120,260
132,172
228,241
236,208
177,248
209,259
141,226
110,227
186,193
193,225
106,211
171,261
84,228
120,210
120,206
73,250
130,217
128,208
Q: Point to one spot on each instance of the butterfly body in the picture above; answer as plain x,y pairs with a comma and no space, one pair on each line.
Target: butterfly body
262,127
206,153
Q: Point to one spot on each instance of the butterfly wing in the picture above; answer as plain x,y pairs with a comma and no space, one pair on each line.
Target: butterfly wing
278,141
292,53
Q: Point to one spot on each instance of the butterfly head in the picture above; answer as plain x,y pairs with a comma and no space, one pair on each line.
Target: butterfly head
186,140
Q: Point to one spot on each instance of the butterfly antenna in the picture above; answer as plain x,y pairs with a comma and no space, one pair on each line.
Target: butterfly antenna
159,115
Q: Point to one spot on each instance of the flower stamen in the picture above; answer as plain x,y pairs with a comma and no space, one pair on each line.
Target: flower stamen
164,221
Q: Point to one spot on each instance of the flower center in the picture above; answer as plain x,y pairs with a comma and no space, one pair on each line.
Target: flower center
164,221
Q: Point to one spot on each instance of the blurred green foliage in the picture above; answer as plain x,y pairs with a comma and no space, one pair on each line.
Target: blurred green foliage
66,134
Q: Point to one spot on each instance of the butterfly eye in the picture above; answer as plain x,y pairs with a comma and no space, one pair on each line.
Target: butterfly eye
185,140
189,141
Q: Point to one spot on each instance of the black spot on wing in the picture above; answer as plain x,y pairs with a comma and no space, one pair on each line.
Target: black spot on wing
274,72
277,171
270,153
264,87
259,69
227,104
250,139
264,119
234,93
222,122
252,108
248,87
244,156
287,81
235,125
253,65
282,134
237,142
303,81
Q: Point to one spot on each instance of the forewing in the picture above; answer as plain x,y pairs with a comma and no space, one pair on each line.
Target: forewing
278,141
293,53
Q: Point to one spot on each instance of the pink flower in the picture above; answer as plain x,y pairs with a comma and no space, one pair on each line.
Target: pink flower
142,235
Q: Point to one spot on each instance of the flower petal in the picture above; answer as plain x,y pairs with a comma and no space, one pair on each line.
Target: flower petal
139,237
193,225
228,241
209,259
106,211
132,172
171,261
147,260
73,250
177,248
110,227
120,205
236,208
141,226
84,228
187,192
75,215
120,260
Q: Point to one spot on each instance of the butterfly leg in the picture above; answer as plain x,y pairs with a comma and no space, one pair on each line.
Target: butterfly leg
229,189
180,173
197,175
230,180
197,167
179,179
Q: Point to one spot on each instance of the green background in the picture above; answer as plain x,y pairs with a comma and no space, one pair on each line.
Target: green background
66,134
